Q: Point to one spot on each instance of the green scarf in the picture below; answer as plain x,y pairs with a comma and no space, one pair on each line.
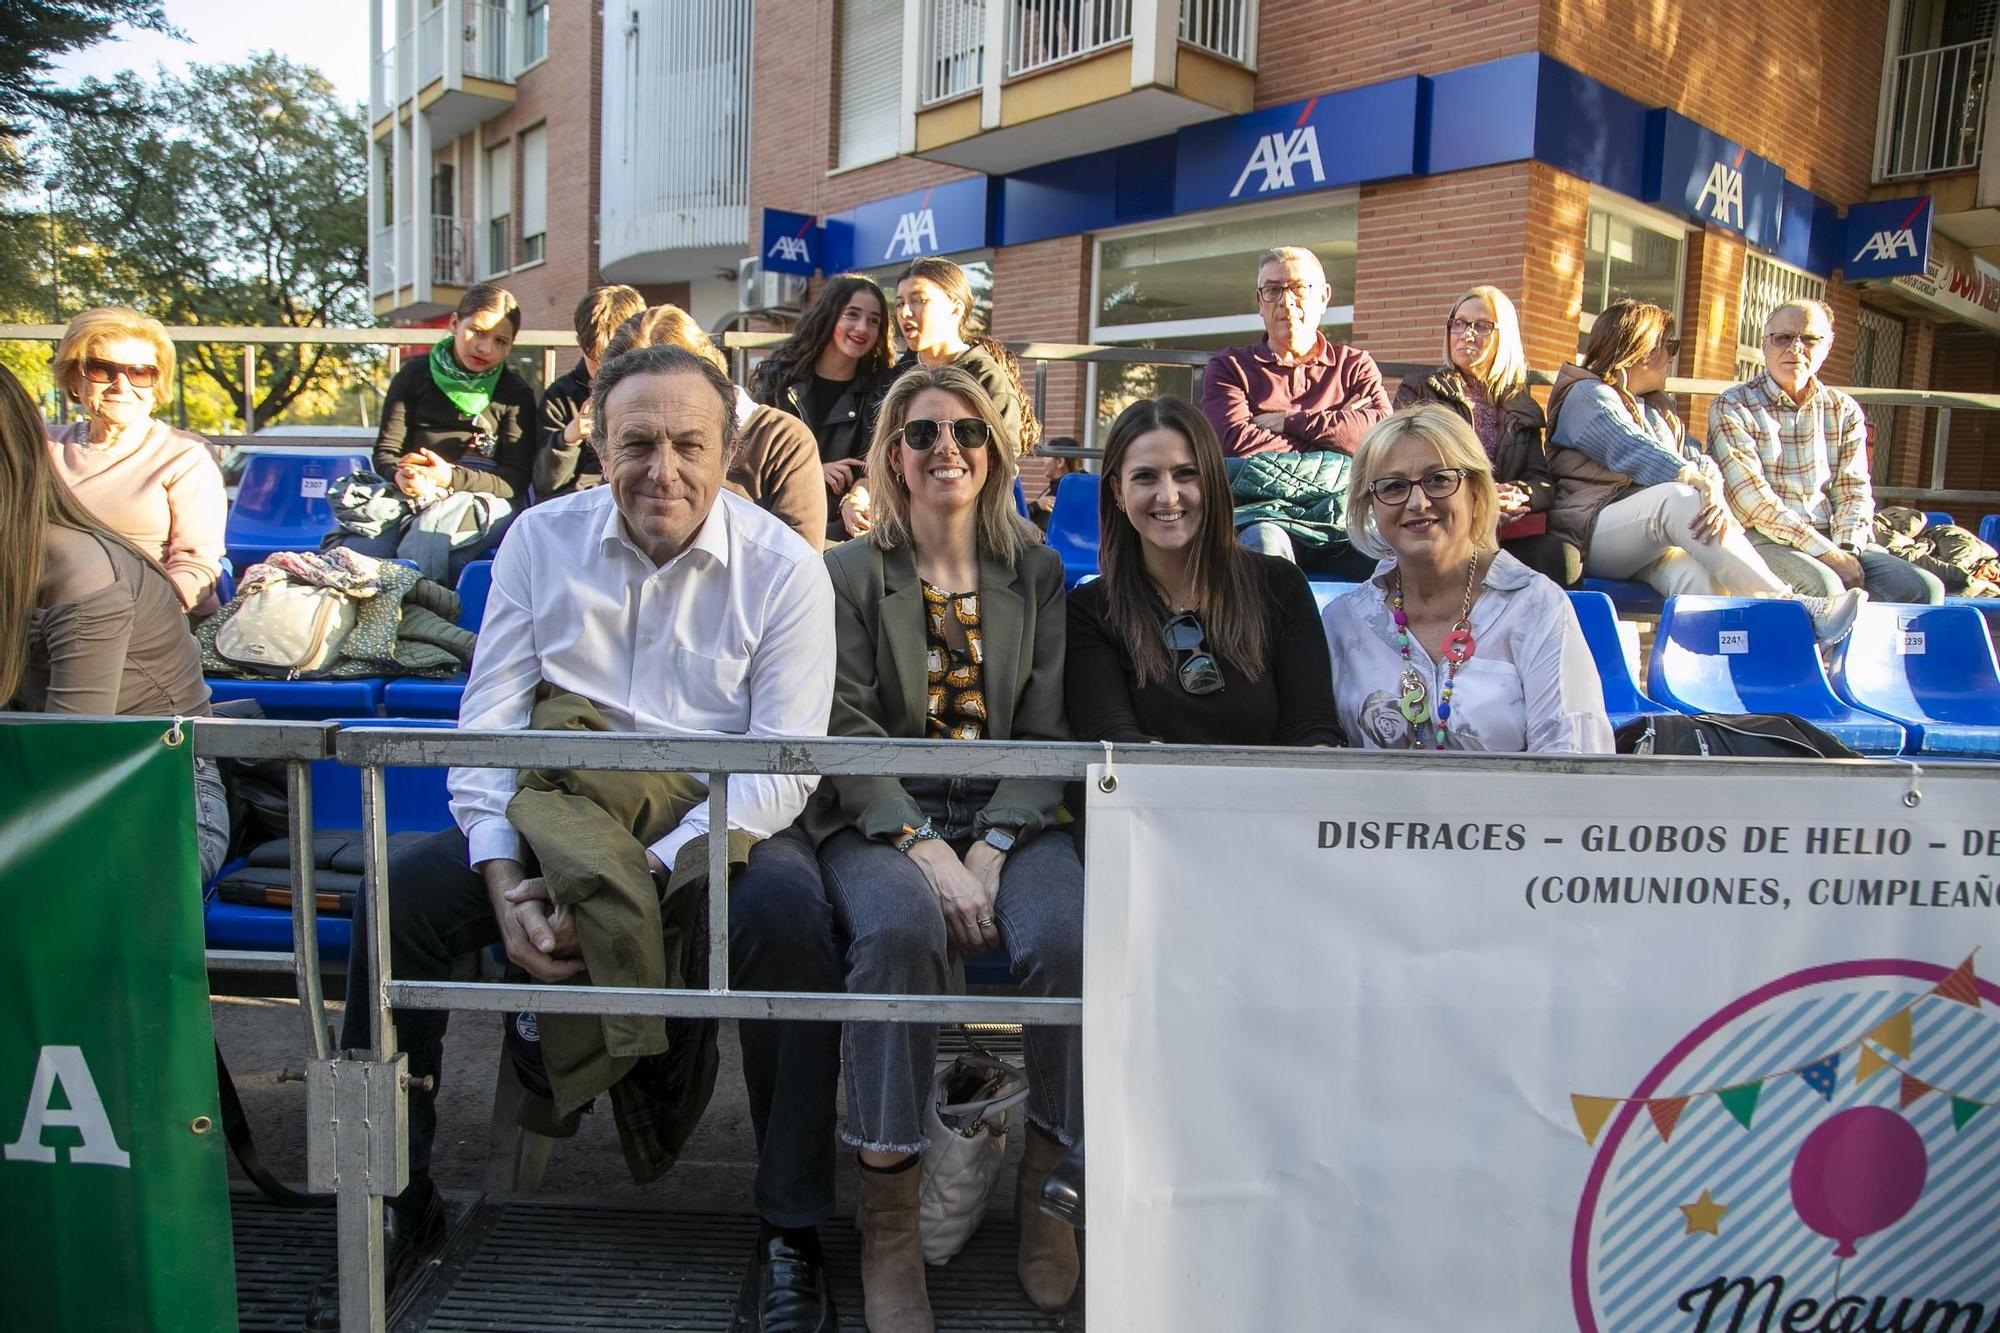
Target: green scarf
469,393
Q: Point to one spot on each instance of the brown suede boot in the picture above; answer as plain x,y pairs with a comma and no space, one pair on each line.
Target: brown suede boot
1048,1262
892,1252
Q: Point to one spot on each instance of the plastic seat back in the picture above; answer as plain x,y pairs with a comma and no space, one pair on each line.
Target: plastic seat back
281,503
1623,699
1628,596
1938,517
1073,525
1989,530
415,799
1930,666
474,583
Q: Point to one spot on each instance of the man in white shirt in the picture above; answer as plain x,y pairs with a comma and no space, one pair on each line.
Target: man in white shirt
676,608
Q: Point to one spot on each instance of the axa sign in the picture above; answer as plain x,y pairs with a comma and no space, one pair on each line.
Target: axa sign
1721,194
791,242
916,234
1278,156
1701,175
1890,238
943,219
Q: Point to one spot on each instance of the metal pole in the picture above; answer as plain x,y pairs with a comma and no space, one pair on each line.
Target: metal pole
375,861
718,881
249,388
548,367
1940,444
305,908
363,1305
1042,391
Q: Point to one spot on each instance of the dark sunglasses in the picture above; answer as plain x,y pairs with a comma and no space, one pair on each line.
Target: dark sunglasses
104,372
921,433
1184,637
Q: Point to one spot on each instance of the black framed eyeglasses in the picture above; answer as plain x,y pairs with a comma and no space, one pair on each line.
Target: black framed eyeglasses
1184,637
1437,485
921,433
104,372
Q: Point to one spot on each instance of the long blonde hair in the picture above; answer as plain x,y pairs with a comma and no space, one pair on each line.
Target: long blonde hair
1001,531
1508,373
33,499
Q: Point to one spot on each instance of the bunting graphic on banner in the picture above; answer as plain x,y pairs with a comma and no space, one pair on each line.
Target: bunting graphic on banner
1895,1035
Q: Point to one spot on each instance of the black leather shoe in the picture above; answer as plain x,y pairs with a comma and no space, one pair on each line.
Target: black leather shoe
790,1292
1062,1192
413,1242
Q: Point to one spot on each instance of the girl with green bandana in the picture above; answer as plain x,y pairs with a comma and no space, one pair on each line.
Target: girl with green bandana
459,419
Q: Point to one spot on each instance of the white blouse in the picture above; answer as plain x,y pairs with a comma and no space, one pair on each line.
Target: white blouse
1529,687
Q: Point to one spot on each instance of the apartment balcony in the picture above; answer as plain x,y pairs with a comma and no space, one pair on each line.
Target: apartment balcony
408,280
456,66
996,85
674,198
1932,135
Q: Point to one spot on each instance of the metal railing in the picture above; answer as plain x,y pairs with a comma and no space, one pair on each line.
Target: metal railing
430,45
953,49
384,85
485,37
1935,115
1041,33
451,250
1227,28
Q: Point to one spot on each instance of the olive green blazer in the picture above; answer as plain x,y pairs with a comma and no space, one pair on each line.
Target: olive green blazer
881,686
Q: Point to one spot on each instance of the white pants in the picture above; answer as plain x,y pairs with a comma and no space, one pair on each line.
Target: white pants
1649,535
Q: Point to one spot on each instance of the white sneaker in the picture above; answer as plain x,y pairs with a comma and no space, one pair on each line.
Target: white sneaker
1833,617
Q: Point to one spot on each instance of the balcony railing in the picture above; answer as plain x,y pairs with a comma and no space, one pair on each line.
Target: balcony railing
1227,28
385,79
1046,32
451,251
954,49
1937,111
382,262
486,42
430,46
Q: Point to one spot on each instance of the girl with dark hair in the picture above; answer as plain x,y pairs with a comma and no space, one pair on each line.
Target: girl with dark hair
459,419
89,623
831,374
1188,637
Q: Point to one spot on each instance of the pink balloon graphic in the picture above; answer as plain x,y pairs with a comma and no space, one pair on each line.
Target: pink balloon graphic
1859,1172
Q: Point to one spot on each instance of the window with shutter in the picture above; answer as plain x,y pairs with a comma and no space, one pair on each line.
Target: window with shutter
871,80
498,253
534,192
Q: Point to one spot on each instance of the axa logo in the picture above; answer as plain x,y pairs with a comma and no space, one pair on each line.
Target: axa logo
790,248
1886,245
1279,156
916,234
1721,194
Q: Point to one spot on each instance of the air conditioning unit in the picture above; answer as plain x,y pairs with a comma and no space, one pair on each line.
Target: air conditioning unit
758,290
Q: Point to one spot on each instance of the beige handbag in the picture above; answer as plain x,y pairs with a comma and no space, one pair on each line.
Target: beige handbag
287,629
973,1102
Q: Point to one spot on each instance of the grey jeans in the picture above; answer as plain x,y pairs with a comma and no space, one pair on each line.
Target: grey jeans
211,818
890,924
1887,576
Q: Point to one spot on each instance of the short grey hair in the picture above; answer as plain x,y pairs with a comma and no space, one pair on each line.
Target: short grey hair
662,359
1804,305
1291,254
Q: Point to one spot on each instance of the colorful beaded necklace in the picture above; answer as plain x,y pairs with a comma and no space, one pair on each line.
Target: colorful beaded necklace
1414,694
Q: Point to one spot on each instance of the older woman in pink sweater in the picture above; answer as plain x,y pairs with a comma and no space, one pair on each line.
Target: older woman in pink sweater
157,487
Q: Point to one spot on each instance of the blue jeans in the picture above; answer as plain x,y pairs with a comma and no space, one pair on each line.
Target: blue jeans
889,919
1887,576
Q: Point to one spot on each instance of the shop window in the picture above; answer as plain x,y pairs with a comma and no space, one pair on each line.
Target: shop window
1628,255
871,81
1192,287
1767,284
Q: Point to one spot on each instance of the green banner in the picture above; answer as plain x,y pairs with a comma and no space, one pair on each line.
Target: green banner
114,1192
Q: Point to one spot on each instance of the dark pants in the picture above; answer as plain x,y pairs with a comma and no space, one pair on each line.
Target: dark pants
780,939
1549,556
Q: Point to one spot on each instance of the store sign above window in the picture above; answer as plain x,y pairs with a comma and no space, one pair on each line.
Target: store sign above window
1890,238
941,220
1362,134
791,242
1698,173
1971,294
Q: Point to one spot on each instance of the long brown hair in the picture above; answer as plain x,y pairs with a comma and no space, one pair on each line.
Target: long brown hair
33,498
795,356
1623,336
1001,530
957,287
1226,593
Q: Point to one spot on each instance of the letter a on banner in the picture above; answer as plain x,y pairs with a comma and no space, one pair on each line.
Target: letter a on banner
116,1212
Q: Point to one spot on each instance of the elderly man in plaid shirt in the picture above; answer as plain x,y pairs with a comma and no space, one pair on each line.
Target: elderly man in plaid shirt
1795,459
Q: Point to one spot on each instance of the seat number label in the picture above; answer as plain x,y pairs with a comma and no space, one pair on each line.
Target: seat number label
312,488
1910,643
1735,641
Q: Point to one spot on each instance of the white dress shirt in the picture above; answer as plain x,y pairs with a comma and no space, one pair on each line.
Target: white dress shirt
1530,686
732,637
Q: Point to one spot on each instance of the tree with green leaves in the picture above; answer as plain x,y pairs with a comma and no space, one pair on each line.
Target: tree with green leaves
236,197
33,35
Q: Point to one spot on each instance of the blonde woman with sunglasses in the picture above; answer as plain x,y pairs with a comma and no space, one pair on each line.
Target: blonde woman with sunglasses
157,487
948,618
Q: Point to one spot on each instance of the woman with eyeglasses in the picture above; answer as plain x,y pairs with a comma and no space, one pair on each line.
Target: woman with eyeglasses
1485,380
949,625
1187,637
1634,495
1453,644
157,487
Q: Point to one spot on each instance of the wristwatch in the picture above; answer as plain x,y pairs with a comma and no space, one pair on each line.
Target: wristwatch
1849,547
999,839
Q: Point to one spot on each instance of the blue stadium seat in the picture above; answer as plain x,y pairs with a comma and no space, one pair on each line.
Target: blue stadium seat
475,581
281,504
1938,517
303,700
1623,699
415,697
1769,663
1929,667
416,802
1073,525
1989,530
1629,596
1020,498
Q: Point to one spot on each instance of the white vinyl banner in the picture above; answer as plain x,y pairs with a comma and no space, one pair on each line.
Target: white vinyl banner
1530,1051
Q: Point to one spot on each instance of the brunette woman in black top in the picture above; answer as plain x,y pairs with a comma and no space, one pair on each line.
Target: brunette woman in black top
831,374
459,419
1189,638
